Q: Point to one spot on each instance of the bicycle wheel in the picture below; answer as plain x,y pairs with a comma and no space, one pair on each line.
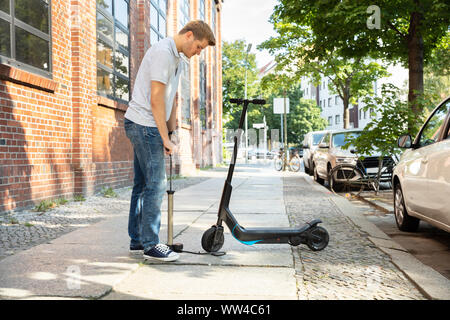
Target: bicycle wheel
294,164
346,178
278,163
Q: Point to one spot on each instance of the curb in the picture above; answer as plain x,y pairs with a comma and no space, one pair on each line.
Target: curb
377,204
429,282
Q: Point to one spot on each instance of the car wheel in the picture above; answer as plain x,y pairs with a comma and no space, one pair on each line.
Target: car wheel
310,171
404,221
306,168
317,178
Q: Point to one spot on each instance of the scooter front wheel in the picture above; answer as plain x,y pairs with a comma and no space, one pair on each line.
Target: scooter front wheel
209,241
317,238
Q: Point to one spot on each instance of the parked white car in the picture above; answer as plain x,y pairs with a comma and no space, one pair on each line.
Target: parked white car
421,179
310,143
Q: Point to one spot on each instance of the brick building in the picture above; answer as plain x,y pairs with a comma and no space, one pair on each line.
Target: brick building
67,69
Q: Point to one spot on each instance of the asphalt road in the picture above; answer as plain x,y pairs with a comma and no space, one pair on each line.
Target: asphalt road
429,244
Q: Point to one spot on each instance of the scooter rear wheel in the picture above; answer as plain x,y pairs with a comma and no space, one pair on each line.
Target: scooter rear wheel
208,243
317,239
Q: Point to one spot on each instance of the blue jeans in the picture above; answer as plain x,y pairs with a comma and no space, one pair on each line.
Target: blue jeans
150,183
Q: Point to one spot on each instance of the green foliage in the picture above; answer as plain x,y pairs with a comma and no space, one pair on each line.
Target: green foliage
343,25
308,118
108,192
437,72
46,205
234,64
411,32
397,118
79,198
296,50
61,201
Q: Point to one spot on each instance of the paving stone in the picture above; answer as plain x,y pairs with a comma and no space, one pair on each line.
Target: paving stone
351,267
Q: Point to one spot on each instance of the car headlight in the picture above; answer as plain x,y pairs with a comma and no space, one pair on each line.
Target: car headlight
346,160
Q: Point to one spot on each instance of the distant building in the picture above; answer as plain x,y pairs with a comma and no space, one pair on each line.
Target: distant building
332,105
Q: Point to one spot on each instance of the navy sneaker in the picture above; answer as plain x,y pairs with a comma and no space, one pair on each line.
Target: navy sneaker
161,252
136,249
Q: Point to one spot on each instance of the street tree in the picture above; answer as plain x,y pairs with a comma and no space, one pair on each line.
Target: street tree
295,46
234,64
304,114
405,31
308,119
381,134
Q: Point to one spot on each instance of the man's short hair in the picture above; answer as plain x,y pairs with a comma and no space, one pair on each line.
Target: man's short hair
201,30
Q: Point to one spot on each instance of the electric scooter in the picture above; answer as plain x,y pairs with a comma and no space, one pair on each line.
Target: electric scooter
314,236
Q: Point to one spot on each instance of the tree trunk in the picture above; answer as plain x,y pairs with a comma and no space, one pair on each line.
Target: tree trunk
346,116
415,63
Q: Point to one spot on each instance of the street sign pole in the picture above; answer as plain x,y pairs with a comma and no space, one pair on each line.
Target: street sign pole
285,133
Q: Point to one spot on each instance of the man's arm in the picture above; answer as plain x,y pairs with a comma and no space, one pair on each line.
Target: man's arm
172,123
159,113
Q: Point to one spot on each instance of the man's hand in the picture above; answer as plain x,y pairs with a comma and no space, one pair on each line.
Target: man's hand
169,147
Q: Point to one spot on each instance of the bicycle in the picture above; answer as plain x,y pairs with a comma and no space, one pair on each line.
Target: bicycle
353,179
293,164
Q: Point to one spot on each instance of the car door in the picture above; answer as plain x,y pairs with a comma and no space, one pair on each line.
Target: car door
323,155
417,165
437,172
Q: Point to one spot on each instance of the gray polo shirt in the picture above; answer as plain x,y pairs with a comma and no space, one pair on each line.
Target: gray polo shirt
160,63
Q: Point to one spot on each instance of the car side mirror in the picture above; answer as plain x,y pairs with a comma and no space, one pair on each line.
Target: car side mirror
404,141
323,145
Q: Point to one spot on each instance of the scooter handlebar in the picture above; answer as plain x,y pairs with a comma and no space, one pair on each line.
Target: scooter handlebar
258,101
254,101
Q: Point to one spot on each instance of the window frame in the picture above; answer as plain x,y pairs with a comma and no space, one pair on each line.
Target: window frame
203,115
116,46
185,81
443,130
13,22
159,11
202,13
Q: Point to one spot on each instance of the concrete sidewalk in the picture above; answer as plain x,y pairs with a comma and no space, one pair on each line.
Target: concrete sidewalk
91,262
94,263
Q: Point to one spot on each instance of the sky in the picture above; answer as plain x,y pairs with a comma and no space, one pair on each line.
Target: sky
249,20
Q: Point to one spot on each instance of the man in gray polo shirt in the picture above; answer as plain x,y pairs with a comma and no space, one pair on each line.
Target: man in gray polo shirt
149,121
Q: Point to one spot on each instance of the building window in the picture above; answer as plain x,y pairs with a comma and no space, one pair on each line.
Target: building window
213,17
202,74
185,81
201,10
329,102
25,40
113,50
337,119
158,20
202,96
330,121
360,114
184,15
